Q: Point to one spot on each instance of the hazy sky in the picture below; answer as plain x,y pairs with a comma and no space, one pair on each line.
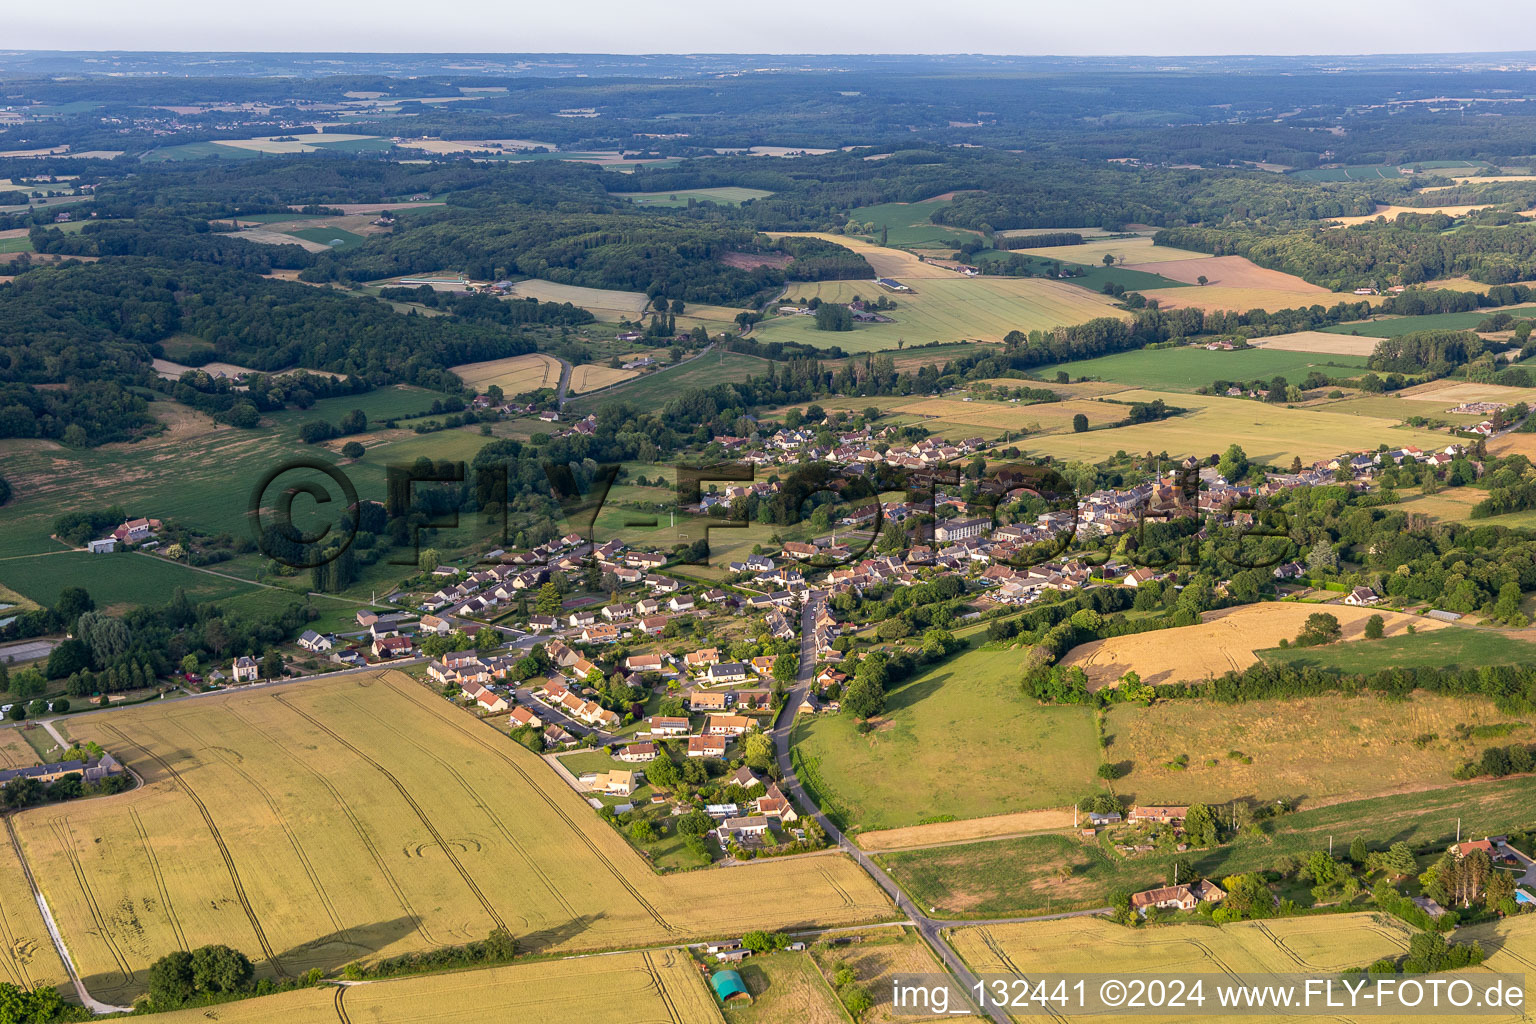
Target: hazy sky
783,26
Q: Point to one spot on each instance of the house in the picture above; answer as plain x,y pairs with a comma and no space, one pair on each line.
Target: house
495,703
1097,820
774,804
245,670
681,603
744,777
763,665
541,623
809,706
1163,815
753,698
136,531
644,663
1362,597
638,752
312,641
754,827
704,701
603,633
583,617
1473,846
1136,577
93,770
619,782
434,625
951,530
706,746
662,725
653,625
726,672
1178,897
702,659
391,647
726,725
522,716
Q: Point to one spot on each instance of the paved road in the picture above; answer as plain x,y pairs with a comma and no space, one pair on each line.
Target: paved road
926,926
565,383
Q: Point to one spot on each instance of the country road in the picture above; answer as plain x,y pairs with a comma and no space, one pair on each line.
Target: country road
565,382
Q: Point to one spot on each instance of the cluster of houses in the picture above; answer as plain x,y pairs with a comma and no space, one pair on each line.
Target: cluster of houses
93,770
132,533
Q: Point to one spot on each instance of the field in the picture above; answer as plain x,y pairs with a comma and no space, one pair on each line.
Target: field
123,578
1268,433
1055,873
947,309
1319,342
1019,755
1320,748
27,956
515,375
967,830
661,987
1215,299
590,377
1190,367
654,390
886,262
1224,641
605,303
1359,172
908,224
1392,212
364,816
785,987
876,958
1456,392
1136,252
949,416
331,238
1450,647
729,195
1391,327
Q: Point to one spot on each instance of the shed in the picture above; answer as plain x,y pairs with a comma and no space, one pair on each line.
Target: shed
729,986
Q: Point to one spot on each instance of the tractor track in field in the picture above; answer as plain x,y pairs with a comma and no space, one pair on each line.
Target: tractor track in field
218,839
154,869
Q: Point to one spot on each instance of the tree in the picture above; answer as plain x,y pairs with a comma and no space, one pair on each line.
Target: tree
864,697
219,970
1079,423
757,750
68,658
1358,851
695,822
272,664
1200,825
428,560
642,831
1322,557
170,980
488,639
1202,280
106,637
38,1006
353,450
1109,260
18,712
1320,628
1233,465
549,600
1374,627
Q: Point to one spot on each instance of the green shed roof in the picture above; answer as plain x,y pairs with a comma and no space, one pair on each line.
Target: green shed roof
728,985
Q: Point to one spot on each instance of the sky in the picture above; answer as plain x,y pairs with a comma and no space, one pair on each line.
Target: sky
1022,27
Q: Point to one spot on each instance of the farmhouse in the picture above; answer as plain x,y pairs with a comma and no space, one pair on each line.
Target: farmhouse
1163,815
1178,897
244,670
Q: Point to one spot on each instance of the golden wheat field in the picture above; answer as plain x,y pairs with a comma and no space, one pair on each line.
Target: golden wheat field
348,818
27,956
1230,272
514,375
590,377
1326,748
1453,392
1224,641
1051,819
661,987
1319,341
1289,945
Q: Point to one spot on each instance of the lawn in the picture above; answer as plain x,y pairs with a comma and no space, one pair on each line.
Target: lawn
1051,874
1189,367
654,390
362,816
1268,433
1017,755
1449,648
1314,748
1392,327
942,309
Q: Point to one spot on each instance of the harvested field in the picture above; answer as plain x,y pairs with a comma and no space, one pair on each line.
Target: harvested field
1323,748
1214,298
376,208
1318,341
1021,823
897,263
1131,252
365,816
170,371
308,143
1392,212
1457,392
1007,416
590,377
515,374
1229,272
598,300
661,987
1224,641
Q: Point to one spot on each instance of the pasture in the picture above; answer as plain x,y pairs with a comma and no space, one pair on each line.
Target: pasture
1392,326
591,376
515,375
1132,252
365,816
654,390
947,309
1268,433
1056,873
1448,648
785,987
966,710
1320,945
1321,748
661,987
908,224
1224,641
119,579
1191,366
330,237
729,195
1318,342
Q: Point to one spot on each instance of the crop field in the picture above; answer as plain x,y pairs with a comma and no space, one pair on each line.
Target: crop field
1224,641
1319,342
1055,873
661,987
785,987
947,309
1269,433
1390,406
1457,392
365,816
992,417
1230,272
27,956
514,375
1393,326
591,376
1191,367
653,390
1358,172
1215,299
1324,748
1392,212
605,303
966,830
886,262
1451,647
308,143
967,710
1133,252
728,194
122,578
